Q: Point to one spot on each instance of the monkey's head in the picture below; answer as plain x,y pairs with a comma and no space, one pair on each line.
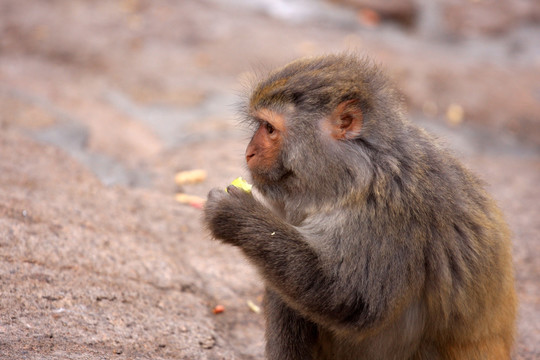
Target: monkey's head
314,120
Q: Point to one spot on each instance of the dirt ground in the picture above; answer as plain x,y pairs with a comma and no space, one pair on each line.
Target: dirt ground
103,102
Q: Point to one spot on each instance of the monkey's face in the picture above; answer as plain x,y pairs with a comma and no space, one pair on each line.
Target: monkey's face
264,151
292,152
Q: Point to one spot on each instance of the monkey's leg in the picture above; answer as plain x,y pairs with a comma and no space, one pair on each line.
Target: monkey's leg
288,335
495,348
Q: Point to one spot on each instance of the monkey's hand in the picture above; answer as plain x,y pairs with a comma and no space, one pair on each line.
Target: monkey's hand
227,214
279,251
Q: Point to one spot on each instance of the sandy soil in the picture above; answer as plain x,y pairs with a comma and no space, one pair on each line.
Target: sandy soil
102,102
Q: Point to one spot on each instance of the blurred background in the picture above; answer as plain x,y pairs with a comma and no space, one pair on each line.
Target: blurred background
102,102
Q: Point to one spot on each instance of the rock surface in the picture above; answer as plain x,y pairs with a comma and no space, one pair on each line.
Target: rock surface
102,102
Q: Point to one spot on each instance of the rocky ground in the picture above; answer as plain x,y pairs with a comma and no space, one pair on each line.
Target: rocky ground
103,102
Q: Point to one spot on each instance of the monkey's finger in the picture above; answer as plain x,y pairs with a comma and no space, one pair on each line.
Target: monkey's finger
233,190
216,194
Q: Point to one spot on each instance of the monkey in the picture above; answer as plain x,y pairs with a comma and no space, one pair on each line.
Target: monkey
373,240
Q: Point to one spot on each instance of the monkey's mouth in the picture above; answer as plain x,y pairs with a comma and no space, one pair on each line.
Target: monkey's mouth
287,175
276,187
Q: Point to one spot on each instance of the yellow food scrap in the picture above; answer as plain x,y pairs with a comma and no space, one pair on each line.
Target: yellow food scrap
242,184
253,307
193,200
190,177
455,114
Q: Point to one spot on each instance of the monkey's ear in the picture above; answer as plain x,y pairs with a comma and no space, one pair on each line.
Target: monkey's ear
345,122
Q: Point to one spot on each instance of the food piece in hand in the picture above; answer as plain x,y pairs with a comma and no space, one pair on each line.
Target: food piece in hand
242,184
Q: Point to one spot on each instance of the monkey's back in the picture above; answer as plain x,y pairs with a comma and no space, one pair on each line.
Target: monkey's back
467,293
470,295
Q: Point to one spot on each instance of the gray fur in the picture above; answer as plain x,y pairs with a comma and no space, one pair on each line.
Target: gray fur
380,247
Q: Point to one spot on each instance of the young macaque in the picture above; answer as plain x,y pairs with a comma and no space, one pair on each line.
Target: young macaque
374,241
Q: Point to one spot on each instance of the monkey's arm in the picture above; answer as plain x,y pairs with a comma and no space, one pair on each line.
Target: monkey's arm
285,259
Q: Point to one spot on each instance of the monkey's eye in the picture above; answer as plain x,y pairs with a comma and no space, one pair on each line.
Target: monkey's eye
269,127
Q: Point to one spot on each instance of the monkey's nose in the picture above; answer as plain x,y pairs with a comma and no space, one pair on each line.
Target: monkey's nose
249,155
